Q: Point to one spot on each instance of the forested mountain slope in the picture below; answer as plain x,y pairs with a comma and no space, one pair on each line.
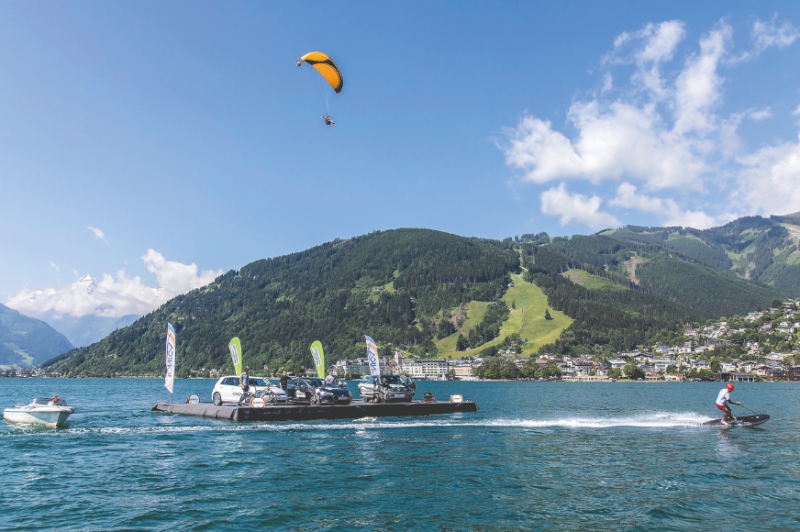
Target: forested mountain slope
277,307
26,342
647,266
406,287
760,249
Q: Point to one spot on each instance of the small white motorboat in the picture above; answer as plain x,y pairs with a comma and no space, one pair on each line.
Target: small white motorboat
40,411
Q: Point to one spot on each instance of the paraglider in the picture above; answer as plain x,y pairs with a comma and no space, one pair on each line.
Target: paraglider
329,70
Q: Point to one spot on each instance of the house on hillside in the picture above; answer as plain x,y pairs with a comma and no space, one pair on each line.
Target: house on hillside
735,377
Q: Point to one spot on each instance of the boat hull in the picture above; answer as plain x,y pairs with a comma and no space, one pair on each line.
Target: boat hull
51,418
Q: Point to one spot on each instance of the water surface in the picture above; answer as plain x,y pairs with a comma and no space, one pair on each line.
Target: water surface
537,456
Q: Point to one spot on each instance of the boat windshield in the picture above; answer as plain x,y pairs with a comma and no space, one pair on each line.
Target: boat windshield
45,401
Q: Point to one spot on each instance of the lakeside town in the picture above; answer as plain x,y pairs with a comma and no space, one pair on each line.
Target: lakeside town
761,346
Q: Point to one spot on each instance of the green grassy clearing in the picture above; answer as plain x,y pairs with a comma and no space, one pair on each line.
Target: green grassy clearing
591,281
527,320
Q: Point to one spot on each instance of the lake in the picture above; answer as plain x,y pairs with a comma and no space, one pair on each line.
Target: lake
537,456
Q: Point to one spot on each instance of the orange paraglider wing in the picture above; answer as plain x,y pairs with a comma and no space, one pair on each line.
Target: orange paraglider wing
325,66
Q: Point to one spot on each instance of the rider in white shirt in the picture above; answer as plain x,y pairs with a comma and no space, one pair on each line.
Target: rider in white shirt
723,399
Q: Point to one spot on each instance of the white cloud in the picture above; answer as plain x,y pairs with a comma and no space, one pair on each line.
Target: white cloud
648,48
98,234
668,209
54,266
767,34
116,297
664,132
557,201
697,89
730,144
770,180
615,141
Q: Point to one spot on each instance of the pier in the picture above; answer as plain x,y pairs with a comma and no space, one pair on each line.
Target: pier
294,412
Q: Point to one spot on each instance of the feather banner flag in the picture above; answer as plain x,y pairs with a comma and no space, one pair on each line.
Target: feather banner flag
319,358
236,354
169,375
372,356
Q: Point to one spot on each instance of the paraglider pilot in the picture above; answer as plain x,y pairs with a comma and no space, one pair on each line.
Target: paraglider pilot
328,120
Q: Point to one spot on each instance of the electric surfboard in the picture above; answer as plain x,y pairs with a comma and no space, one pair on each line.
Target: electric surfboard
741,421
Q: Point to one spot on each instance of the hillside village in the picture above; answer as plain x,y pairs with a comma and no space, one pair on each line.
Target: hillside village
762,345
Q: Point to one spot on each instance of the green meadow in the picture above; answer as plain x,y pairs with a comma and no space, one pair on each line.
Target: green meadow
527,319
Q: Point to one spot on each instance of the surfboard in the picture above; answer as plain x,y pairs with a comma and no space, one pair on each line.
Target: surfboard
741,421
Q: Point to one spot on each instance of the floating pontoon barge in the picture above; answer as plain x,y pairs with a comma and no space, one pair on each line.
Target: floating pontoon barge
293,412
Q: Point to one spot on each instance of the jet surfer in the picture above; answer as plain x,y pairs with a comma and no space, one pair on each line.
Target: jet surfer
328,120
723,400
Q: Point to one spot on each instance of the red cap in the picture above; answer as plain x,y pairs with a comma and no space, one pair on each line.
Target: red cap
730,387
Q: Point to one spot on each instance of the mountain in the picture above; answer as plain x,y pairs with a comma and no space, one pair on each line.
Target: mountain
766,250
408,288
26,342
56,308
87,329
387,284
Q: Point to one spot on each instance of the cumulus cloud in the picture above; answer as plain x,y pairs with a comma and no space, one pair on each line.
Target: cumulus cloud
667,209
663,131
615,141
111,296
697,89
557,201
770,180
648,49
770,34
98,234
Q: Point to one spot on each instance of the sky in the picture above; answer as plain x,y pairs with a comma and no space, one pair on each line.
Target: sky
156,145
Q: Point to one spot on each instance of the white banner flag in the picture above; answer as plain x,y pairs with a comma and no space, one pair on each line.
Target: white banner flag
169,377
372,356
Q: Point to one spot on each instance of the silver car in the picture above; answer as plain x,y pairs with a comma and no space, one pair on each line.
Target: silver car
385,389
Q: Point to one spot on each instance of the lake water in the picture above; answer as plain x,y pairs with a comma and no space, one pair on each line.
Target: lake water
537,456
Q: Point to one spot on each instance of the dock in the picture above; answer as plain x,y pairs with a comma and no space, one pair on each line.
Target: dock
295,412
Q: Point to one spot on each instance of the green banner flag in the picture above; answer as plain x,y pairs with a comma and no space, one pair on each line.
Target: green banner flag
319,358
236,354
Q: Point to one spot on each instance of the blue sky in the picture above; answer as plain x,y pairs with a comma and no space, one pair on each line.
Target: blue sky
156,144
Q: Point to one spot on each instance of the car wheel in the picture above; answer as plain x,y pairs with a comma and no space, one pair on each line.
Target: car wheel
217,399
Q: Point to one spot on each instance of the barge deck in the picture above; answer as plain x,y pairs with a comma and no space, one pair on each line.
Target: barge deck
293,412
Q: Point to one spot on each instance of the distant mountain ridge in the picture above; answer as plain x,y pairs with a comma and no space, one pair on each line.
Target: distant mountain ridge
85,330
402,286
26,342
766,250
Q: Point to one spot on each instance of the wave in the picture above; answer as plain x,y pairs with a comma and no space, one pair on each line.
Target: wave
652,420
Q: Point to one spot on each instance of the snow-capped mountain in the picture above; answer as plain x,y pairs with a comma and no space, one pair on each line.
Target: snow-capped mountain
88,310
